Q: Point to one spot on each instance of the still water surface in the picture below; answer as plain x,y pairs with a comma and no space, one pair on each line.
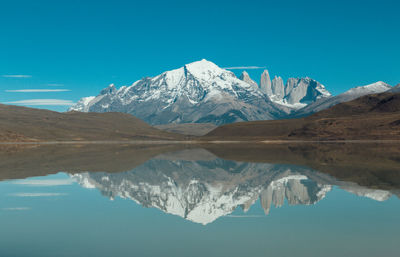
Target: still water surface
193,203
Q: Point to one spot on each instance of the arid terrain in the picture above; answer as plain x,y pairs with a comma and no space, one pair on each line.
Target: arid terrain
192,129
372,117
28,124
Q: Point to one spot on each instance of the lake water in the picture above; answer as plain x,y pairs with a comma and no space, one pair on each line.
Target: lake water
199,202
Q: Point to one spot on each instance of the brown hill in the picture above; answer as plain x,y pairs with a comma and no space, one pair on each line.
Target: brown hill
372,117
192,129
27,124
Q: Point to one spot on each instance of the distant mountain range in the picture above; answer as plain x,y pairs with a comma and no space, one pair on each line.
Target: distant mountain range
371,117
202,92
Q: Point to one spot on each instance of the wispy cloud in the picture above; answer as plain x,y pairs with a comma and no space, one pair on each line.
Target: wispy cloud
43,102
16,209
16,76
245,216
245,68
45,182
37,194
55,85
37,90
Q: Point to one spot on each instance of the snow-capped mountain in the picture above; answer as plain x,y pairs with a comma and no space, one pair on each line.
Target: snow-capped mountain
204,190
202,92
198,92
324,103
83,104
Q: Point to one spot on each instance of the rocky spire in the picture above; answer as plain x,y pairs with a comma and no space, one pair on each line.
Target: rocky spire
290,84
304,90
278,88
246,78
265,83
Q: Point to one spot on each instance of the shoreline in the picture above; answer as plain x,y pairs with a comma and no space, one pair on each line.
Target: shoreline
195,142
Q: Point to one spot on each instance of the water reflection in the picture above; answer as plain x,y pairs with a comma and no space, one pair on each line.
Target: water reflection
55,200
198,186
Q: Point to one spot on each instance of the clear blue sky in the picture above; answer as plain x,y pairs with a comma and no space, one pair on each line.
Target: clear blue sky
83,46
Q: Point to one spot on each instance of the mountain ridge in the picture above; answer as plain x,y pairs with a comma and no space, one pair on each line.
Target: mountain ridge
197,92
202,92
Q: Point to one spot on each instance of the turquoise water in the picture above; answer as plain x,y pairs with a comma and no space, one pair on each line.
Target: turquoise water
197,208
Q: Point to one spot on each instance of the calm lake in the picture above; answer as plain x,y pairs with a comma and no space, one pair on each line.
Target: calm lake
232,200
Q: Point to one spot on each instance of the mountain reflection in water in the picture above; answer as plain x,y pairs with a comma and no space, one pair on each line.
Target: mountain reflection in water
56,200
198,186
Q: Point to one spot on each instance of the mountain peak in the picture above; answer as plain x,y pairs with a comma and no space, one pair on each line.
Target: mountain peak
203,70
244,75
265,83
265,72
377,87
246,78
201,66
108,90
395,89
